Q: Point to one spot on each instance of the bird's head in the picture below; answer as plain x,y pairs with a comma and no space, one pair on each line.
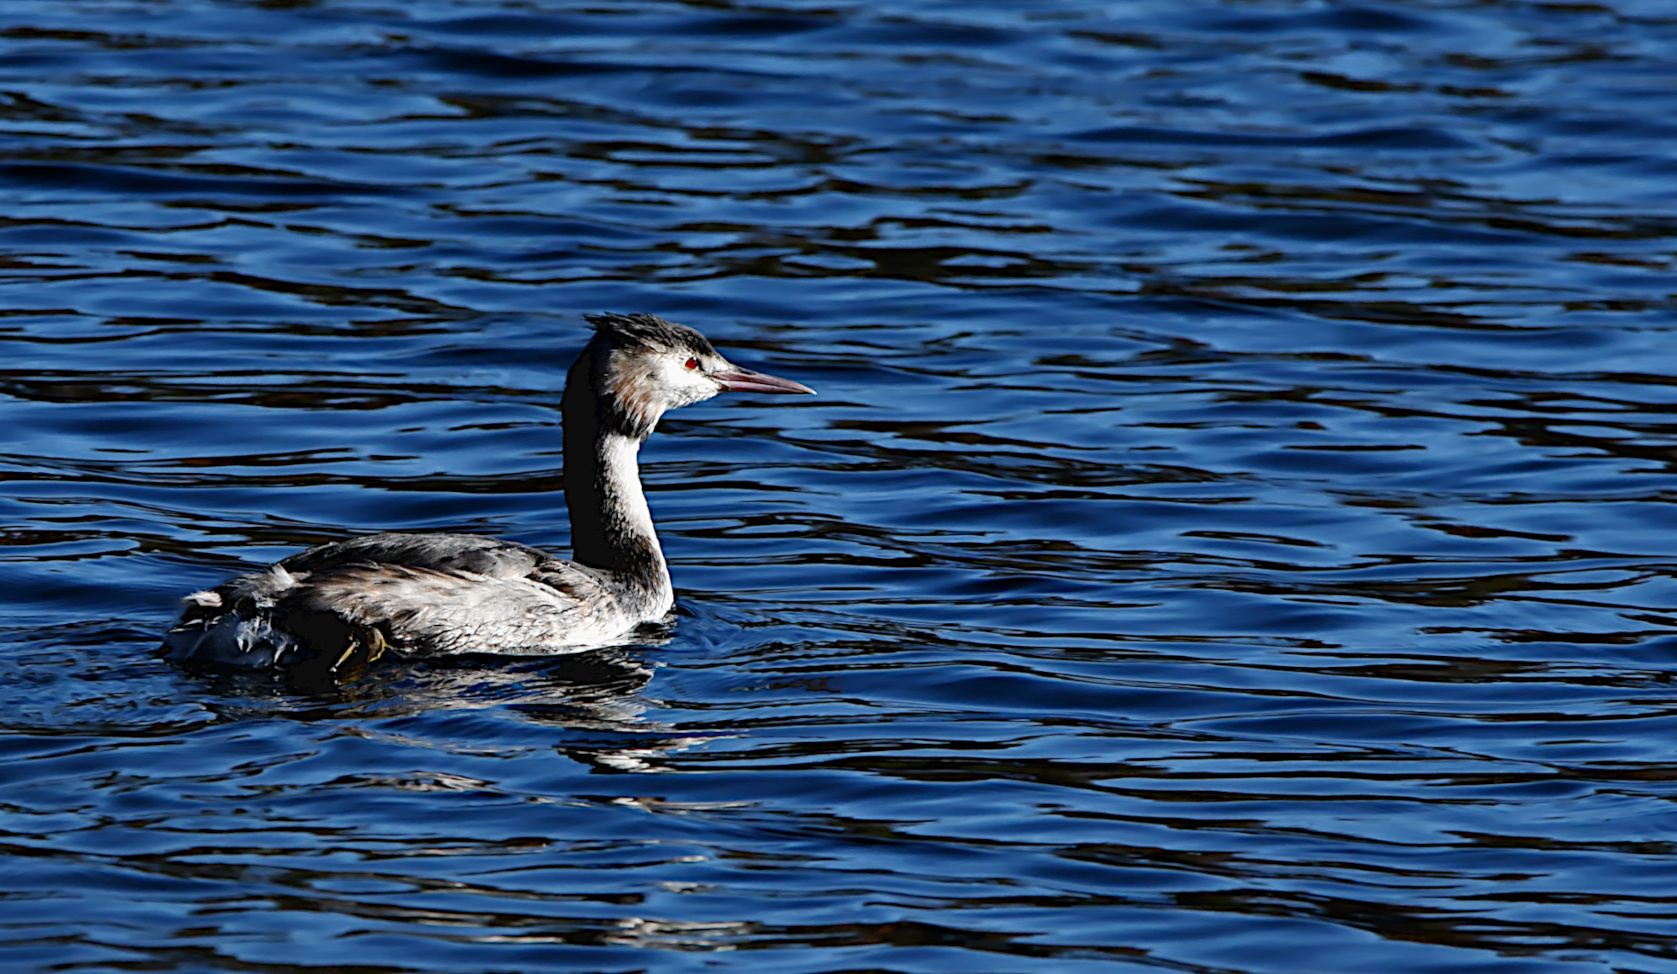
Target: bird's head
641,365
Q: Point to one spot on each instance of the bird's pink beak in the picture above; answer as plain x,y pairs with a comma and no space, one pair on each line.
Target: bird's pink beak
736,379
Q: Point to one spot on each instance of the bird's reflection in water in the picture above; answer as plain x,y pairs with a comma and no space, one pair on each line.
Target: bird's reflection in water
596,695
594,687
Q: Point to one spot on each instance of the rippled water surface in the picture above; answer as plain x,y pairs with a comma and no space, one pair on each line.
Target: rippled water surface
1234,533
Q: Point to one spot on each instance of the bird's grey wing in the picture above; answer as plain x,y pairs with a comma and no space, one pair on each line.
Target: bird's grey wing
442,552
430,611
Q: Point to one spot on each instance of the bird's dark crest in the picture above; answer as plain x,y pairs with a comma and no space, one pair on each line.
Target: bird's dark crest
649,331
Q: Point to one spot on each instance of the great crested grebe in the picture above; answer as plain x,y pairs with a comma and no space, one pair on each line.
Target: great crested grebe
343,604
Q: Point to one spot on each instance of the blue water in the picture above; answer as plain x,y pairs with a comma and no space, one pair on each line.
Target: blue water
1234,533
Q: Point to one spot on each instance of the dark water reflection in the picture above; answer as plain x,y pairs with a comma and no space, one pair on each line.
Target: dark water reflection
1233,534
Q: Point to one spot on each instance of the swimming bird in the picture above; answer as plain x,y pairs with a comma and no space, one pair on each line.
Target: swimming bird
338,606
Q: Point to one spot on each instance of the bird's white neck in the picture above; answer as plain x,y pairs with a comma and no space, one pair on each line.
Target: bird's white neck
611,525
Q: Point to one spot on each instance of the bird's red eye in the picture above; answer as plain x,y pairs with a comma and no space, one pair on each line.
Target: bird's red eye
692,363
